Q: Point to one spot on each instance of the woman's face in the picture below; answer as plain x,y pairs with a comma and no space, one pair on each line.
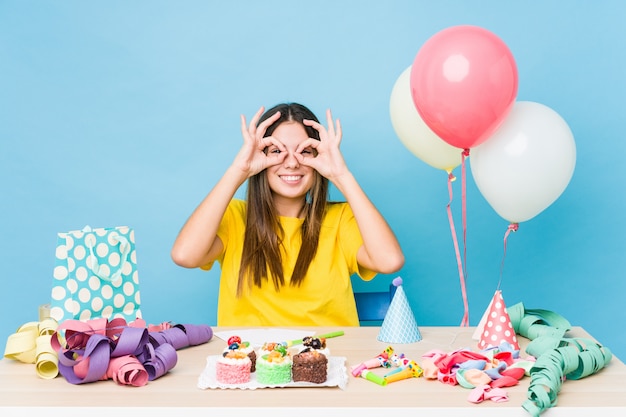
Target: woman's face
290,181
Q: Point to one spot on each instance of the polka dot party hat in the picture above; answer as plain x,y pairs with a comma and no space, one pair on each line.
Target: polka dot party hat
497,327
399,325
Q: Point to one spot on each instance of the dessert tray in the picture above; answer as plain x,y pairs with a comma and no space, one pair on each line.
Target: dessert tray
337,377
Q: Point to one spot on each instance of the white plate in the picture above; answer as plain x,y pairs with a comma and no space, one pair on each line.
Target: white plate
337,377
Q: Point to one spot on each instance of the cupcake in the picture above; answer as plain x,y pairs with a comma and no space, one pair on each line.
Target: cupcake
310,366
273,365
311,363
317,344
233,367
235,344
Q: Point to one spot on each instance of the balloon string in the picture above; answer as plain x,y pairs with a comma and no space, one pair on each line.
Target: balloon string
465,320
512,228
464,156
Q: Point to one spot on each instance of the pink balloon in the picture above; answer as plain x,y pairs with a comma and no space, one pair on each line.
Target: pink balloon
463,84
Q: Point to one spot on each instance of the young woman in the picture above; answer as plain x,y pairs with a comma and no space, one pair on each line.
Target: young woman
287,253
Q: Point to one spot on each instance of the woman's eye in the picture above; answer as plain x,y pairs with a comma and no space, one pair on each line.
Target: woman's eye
275,150
307,151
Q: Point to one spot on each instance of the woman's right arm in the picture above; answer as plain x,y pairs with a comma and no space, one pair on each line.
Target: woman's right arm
197,243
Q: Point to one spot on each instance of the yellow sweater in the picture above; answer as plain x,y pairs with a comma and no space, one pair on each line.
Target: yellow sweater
324,298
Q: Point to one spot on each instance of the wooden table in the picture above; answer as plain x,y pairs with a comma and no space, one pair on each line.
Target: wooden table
177,394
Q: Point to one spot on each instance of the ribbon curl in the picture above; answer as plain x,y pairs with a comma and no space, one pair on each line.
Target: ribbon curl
558,357
31,344
88,351
129,354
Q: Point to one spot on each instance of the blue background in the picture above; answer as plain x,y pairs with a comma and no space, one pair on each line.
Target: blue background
127,112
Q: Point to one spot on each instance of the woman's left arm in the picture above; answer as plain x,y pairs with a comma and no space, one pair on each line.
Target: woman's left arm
381,250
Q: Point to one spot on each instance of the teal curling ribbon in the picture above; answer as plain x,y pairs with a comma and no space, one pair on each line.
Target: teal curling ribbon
558,358
534,323
572,359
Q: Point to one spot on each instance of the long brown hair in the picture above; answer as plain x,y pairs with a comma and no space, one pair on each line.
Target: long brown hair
263,237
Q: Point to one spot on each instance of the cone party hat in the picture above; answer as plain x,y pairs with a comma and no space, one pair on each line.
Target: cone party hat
497,328
481,324
399,325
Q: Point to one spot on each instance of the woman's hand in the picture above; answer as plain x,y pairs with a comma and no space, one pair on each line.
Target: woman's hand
327,158
252,157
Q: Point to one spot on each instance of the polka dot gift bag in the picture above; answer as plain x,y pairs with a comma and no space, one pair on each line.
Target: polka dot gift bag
95,275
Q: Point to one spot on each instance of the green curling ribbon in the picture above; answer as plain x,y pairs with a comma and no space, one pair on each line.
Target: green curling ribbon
534,323
558,358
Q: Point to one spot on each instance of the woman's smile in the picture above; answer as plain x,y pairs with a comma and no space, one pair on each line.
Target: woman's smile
291,179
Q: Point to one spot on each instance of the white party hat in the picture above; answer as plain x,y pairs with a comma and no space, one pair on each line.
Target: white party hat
399,325
481,324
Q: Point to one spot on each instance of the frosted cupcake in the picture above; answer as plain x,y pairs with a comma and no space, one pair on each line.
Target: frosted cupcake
310,366
273,365
317,344
311,363
233,368
235,344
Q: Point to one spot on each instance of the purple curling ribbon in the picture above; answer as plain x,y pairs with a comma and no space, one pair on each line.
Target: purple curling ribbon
97,350
163,360
130,342
128,354
197,334
173,336
181,336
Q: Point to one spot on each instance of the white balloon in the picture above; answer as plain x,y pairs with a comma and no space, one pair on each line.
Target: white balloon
413,132
527,163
